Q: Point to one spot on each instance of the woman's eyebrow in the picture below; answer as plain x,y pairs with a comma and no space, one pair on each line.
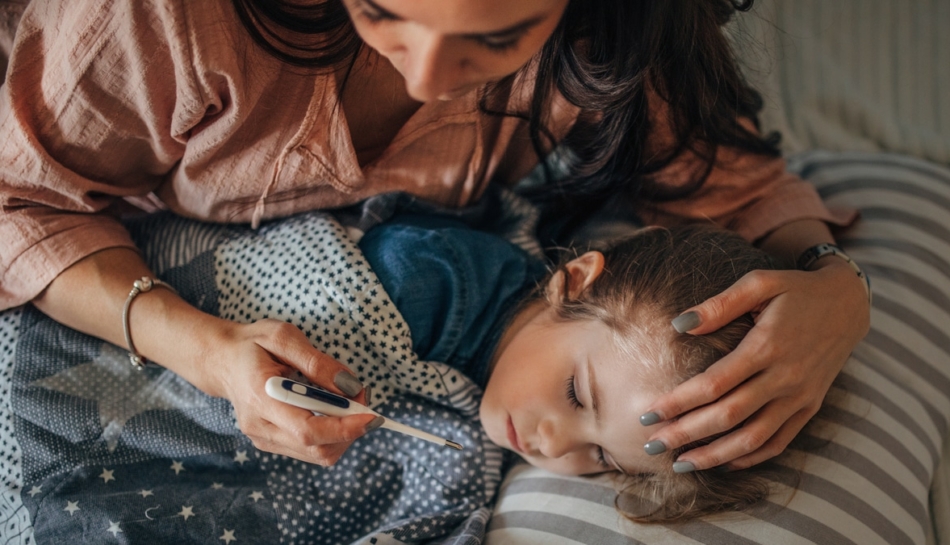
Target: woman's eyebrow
383,11
516,28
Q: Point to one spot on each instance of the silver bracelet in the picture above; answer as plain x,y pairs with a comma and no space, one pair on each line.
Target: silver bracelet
810,256
141,285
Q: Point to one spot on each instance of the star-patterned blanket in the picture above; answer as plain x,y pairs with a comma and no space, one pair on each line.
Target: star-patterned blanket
93,451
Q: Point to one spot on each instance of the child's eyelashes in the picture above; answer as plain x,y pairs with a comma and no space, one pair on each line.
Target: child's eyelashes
576,404
602,459
572,393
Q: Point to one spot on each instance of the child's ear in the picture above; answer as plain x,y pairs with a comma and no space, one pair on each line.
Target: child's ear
581,273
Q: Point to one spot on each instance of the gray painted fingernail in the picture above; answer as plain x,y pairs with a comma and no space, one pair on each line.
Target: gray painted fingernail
369,394
654,447
649,419
345,381
683,467
375,423
686,322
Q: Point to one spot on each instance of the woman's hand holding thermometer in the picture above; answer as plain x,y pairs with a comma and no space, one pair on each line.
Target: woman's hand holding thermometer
323,402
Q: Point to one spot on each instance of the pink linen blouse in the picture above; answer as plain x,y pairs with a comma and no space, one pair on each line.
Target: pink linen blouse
170,104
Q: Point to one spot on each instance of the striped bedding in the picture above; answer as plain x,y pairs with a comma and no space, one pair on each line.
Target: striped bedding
869,483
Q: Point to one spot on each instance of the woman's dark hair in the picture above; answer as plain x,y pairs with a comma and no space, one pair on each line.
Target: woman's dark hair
310,35
607,56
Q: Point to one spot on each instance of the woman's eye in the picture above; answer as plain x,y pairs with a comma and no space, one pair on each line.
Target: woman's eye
572,394
372,14
375,16
499,45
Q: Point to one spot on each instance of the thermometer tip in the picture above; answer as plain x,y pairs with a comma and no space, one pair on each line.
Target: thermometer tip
453,444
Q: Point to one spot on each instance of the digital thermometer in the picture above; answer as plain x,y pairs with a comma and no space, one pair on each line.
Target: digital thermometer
319,401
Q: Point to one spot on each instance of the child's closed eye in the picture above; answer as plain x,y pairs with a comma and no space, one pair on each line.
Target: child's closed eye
576,403
602,459
572,393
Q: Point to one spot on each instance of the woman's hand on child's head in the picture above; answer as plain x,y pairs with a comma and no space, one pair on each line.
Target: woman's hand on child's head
770,386
250,354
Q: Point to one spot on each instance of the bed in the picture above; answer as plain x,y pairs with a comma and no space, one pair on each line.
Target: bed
853,86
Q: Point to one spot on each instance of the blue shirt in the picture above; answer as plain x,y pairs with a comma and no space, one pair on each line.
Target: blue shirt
456,287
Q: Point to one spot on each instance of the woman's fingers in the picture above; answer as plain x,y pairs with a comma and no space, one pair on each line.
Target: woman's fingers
727,413
290,346
756,412
756,441
752,292
269,348
698,391
720,378
763,393
298,433
777,443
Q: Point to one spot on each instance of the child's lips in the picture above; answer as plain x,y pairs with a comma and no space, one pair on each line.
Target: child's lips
513,437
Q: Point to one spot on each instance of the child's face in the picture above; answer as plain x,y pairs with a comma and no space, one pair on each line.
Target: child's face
528,408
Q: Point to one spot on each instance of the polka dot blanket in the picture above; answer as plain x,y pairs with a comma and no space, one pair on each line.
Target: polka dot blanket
93,451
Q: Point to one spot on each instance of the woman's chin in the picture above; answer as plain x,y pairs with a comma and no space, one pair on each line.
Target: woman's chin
454,94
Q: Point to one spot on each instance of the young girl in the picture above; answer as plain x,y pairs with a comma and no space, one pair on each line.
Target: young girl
570,361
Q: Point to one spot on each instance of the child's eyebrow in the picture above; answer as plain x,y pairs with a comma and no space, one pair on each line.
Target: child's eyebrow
594,390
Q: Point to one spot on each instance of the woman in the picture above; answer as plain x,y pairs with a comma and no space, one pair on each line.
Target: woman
253,110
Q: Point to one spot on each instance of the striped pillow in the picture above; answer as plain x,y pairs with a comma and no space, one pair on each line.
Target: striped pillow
869,483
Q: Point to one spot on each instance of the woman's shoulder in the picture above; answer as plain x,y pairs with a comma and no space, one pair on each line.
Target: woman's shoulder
183,36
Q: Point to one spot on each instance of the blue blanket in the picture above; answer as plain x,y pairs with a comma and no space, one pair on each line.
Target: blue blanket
94,451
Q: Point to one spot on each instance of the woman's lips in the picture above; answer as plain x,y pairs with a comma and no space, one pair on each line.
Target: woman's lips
513,437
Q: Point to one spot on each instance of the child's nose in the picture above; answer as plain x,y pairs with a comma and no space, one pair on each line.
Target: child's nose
556,441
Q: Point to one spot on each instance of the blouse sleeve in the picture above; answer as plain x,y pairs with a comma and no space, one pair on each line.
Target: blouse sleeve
750,194
96,107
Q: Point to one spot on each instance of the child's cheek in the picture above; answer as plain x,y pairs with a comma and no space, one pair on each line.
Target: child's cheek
490,421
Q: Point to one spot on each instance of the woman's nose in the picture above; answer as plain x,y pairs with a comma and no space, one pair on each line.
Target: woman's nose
431,67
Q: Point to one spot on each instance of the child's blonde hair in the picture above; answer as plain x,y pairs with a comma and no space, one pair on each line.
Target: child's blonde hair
649,279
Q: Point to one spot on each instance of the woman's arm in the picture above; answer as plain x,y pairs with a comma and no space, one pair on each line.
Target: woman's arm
97,107
774,382
222,358
807,322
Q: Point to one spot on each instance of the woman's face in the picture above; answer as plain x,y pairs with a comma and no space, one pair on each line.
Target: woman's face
567,399
445,48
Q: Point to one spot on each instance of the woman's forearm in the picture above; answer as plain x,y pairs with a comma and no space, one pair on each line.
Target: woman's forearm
222,358
89,296
789,241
